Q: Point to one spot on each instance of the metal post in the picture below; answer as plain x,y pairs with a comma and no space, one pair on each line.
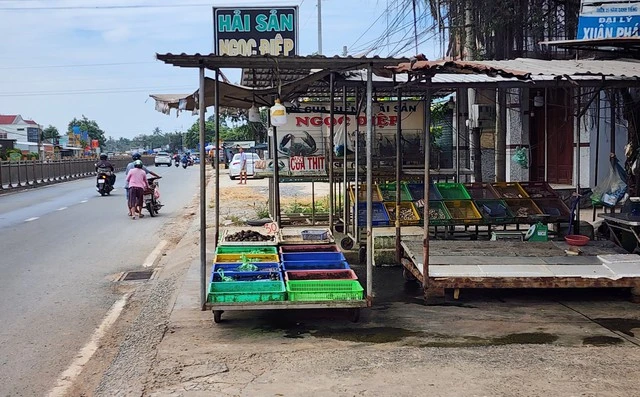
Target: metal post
332,113
546,135
398,173
369,149
612,148
276,177
577,124
319,27
501,135
203,220
457,119
216,156
427,159
595,180
356,187
345,199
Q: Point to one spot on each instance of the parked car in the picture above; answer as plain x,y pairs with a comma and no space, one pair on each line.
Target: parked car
163,158
234,166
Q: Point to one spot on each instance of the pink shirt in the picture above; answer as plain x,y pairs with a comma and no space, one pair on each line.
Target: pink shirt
137,178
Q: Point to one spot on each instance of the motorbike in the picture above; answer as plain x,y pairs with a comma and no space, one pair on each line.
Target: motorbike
185,163
104,185
176,160
152,196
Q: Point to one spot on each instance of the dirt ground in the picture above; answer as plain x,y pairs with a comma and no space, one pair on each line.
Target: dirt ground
487,343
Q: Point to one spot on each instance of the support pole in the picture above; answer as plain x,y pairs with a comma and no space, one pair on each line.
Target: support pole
398,173
319,27
369,150
345,193
612,148
216,160
356,178
577,124
276,177
501,135
203,198
332,102
427,159
546,134
595,179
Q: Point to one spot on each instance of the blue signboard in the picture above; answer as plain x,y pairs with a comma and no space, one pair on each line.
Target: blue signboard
612,20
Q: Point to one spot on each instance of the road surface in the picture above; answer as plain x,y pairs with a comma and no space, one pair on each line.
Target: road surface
61,247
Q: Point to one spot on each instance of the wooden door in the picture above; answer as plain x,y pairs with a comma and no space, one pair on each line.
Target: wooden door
559,137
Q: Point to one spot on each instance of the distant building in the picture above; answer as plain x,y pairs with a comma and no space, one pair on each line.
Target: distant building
26,133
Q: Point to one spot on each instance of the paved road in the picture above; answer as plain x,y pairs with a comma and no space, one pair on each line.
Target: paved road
59,247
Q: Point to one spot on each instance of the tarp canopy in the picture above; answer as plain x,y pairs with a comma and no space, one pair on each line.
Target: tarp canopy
237,96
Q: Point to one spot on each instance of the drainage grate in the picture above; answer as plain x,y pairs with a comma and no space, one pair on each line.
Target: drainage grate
139,275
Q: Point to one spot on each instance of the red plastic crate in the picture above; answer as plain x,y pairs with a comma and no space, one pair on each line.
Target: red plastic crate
345,274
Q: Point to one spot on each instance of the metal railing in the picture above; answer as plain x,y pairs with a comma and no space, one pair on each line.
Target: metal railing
31,173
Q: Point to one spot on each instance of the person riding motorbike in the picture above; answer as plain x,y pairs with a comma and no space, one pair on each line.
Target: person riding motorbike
105,164
185,160
135,157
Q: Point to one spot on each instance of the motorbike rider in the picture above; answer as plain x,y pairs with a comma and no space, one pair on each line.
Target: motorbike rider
106,164
130,166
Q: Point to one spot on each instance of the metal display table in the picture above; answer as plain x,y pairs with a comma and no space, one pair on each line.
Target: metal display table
625,223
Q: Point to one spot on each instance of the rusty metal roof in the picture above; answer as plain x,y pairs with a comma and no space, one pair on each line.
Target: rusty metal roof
622,46
526,68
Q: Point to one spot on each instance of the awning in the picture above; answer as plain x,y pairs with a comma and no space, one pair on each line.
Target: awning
237,96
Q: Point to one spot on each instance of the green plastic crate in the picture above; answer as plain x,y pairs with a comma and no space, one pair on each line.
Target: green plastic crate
231,249
388,191
246,291
248,257
453,191
324,290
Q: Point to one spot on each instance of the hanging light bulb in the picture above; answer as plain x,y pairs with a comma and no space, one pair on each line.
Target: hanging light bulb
254,114
278,114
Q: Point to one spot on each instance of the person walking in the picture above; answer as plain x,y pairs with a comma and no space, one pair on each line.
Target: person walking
137,180
130,166
243,165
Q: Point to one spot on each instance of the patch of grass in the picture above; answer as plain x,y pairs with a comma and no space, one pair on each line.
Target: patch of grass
262,210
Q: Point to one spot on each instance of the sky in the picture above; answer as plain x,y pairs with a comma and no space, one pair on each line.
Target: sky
61,59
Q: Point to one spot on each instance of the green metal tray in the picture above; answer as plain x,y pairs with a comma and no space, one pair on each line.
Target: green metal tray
246,291
324,290
230,249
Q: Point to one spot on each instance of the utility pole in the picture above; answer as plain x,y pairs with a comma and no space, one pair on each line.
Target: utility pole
319,27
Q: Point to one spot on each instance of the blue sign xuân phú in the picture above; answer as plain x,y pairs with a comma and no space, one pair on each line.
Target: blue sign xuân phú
609,20
255,31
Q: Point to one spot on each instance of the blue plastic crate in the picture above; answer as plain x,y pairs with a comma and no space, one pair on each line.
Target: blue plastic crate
312,257
248,276
380,216
311,265
233,267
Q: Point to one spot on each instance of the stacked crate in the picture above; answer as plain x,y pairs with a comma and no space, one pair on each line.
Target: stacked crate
318,272
246,274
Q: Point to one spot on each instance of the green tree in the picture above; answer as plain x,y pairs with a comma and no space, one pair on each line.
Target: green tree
50,134
92,128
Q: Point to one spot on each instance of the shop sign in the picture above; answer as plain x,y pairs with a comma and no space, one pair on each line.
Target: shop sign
255,31
32,134
294,166
608,20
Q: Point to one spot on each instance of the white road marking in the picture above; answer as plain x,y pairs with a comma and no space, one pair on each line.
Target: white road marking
32,219
84,201
154,256
66,379
62,208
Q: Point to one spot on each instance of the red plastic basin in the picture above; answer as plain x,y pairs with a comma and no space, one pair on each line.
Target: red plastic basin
576,239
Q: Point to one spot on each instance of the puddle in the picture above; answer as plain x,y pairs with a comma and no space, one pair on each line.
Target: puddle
602,340
624,325
532,338
453,304
367,335
290,329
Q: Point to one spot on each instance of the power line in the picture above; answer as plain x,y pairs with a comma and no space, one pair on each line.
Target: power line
76,66
112,7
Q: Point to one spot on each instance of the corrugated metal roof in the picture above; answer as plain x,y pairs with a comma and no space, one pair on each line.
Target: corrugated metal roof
526,68
212,61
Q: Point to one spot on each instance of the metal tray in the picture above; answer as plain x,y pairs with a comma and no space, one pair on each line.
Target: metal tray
227,232
293,235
